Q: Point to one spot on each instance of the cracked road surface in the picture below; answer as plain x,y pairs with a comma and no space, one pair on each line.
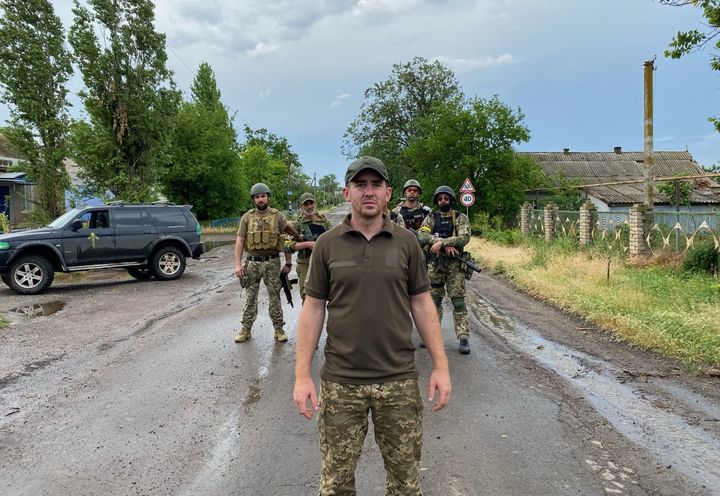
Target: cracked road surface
136,387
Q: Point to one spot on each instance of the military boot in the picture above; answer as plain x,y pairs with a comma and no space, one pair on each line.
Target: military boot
280,335
464,346
243,336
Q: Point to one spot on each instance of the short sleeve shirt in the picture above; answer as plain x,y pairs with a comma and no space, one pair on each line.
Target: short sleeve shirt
367,285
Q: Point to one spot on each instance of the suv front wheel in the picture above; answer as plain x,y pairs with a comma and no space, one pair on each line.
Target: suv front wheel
168,263
31,274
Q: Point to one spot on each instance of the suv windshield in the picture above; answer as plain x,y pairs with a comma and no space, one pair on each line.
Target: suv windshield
64,218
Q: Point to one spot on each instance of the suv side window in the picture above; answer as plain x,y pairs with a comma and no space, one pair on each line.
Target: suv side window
168,217
95,219
130,217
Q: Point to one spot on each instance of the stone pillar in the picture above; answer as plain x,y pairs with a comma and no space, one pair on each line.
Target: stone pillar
549,221
587,221
637,230
525,212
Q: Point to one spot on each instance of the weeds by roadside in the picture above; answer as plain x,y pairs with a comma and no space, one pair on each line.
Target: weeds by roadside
652,304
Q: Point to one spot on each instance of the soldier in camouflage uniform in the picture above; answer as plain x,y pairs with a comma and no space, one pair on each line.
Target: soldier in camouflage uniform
445,232
310,225
370,274
411,210
260,235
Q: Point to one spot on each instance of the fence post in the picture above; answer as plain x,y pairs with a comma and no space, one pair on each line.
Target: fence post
587,221
525,218
550,215
637,229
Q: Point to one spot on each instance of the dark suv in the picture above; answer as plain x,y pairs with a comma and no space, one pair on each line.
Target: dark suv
148,239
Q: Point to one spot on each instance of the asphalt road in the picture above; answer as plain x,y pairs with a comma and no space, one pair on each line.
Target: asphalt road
138,388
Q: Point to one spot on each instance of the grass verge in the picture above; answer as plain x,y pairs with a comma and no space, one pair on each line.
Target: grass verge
653,306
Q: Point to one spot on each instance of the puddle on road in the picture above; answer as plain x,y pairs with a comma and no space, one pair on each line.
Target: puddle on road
39,309
690,450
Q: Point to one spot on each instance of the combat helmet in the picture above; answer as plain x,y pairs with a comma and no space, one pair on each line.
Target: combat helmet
411,182
259,189
444,189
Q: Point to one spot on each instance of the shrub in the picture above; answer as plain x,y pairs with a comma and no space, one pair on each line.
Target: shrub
703,257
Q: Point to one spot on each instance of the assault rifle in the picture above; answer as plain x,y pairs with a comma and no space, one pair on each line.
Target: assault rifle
287,287
467,260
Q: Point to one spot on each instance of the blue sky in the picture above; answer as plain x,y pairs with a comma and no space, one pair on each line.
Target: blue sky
574,67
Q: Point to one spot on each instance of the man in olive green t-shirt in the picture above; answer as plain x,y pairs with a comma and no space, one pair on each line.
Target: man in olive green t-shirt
372,275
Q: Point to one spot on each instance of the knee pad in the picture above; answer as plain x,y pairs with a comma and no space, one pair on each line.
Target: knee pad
458,304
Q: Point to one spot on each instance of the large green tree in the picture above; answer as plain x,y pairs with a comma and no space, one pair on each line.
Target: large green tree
280,151
389,116
259,166
475,140
205,169
129,97
34,70
686,42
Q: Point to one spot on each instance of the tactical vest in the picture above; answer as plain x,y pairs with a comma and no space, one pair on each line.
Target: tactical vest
263,232
443,226
413,218
310,231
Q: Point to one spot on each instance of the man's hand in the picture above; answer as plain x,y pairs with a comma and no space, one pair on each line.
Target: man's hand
304,391
439,386
239,271
451,251
436,247
286,268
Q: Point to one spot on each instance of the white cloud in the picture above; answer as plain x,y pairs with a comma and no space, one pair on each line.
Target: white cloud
464,65
261,49
339,99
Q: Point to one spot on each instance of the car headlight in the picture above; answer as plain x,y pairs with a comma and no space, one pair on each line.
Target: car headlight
4,245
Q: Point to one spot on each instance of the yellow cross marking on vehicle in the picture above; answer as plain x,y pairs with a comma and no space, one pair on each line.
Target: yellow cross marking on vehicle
93,237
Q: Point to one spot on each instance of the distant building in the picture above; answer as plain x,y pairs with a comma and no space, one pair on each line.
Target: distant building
597,169
16,191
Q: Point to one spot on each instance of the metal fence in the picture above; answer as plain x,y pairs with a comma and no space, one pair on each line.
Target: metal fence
675,231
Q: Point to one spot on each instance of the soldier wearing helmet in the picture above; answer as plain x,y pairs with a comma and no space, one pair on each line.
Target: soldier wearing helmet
411,210
260,237
310,225
445,232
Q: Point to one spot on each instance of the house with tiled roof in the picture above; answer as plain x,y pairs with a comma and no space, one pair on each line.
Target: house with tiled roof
613,181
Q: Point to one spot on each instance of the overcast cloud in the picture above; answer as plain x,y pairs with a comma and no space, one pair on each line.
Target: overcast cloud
574,67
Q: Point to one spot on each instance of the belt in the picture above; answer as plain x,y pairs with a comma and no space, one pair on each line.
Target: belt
261,258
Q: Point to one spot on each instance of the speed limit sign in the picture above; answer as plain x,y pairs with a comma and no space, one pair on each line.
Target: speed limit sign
467,199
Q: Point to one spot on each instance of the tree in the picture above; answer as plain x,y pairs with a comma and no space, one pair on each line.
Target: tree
205,168
688,42
390,115
34,69
278,148
328,186
129,96
258,166
475,139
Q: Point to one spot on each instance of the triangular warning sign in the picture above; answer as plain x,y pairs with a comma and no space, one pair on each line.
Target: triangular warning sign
467,186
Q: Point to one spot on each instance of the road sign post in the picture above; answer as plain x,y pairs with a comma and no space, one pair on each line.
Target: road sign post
467,199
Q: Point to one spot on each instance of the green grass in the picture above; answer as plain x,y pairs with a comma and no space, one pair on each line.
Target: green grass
654,306
3,321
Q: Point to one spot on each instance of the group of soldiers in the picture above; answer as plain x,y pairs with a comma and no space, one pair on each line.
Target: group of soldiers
264,233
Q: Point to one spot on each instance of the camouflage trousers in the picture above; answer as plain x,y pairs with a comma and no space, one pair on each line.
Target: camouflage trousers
396,410
302,269
450,277
269,272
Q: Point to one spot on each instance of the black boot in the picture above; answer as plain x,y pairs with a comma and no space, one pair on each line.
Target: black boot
464,346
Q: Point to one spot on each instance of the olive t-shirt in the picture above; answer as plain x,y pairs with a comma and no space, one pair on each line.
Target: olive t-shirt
263,217
367,285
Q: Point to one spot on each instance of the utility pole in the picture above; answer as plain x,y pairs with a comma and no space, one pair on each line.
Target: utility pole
289,191
648,135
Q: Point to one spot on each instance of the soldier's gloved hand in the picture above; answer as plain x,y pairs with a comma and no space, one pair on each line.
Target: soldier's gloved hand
286,268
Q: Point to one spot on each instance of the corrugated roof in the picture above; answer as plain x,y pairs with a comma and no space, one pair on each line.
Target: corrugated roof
607,167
